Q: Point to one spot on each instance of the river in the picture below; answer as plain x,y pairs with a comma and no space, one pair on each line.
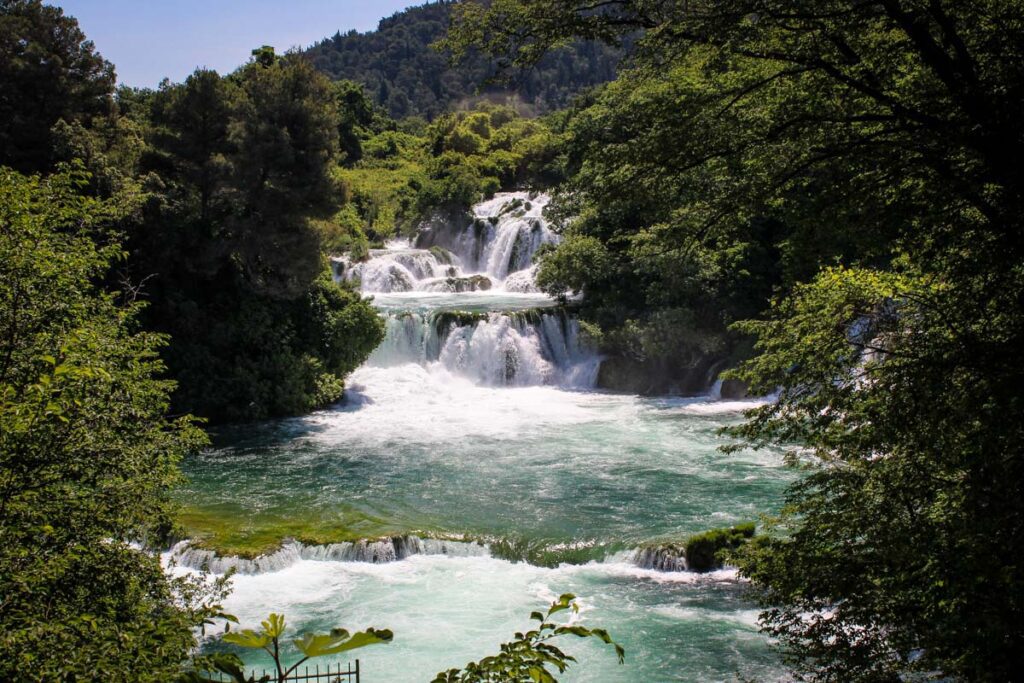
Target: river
490,476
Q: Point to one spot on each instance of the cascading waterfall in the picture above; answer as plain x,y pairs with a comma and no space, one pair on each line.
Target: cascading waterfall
396,548
185,554
460,264
493,251
514,348
474,420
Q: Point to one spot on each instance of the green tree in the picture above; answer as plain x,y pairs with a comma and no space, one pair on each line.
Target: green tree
228,244
86,452
49,72
880,135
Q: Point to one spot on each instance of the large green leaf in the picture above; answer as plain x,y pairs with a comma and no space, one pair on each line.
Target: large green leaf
339,640
274,625
247,638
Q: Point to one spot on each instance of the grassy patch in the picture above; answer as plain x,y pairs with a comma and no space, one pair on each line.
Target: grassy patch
250,536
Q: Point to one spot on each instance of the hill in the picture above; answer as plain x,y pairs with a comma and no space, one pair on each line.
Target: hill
407,77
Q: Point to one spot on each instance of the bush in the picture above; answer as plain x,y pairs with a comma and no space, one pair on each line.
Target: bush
704,551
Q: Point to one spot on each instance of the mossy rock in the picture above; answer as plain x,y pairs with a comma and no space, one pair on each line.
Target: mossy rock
444,320
704,551
733,389
441,254
470,283
513,205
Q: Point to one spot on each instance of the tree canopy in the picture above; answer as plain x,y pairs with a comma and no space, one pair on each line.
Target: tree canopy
855,163
239,171
49,72
407,77
87,454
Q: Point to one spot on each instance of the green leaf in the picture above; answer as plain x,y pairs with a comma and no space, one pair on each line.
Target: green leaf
339,640
564,602
247,638
274,626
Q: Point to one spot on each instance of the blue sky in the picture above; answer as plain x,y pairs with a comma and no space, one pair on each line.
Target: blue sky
149,39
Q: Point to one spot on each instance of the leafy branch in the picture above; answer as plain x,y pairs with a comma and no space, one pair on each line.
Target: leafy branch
528,658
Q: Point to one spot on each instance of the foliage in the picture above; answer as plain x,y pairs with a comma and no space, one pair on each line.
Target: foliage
877,138
49,74
382,188
407,77
241,188
405,176
268,638
477,152
704,551
531,656
86,453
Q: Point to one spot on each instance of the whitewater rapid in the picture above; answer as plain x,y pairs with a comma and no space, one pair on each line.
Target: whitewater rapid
486,477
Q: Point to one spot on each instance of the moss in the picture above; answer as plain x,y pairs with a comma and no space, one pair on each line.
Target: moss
441,254
704,551
241,535
248,537
542,554
443,320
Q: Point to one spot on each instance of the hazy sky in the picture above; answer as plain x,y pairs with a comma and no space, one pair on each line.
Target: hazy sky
149,39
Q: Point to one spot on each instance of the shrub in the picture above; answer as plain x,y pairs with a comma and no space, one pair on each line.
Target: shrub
704,551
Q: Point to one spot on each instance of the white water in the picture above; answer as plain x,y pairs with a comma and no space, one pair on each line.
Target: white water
475,419
493,251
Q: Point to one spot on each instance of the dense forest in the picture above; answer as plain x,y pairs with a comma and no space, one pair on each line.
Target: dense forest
405,75
823,201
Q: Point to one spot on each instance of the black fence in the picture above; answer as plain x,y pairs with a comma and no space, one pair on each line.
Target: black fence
327,674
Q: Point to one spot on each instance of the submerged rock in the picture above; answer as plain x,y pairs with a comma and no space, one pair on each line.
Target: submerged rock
699,553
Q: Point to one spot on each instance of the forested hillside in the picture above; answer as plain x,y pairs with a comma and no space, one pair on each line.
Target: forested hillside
407,77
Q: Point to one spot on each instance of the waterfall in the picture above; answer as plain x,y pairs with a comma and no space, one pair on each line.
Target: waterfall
664,558
473,264
376,551
499,348
493,251
505,234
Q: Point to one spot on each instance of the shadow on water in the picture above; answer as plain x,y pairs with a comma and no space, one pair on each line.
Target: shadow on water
271,434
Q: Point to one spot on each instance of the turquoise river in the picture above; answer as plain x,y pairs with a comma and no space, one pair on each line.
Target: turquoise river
489,476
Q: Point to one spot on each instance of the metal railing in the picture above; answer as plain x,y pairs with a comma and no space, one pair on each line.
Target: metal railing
329,674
